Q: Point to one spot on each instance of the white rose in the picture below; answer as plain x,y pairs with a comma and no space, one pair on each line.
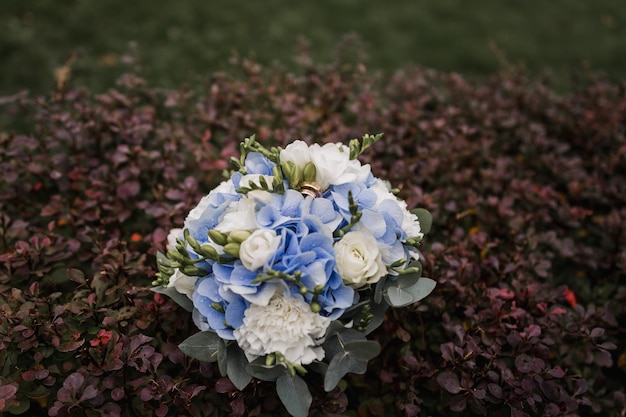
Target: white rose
286,325
359,261
258,249
296,152
182,283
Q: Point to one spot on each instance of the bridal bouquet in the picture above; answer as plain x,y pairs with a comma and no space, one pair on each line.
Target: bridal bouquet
291,262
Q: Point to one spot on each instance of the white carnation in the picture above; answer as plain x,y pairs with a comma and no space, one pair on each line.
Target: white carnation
359,261
410,224
286,325
258,249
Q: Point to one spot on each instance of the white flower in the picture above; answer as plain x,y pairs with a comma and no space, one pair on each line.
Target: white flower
382,189
334,166
286,325
410,223
248,179
225,187
182,283
258,248
172,236
332,162
240,215
296,152
359,261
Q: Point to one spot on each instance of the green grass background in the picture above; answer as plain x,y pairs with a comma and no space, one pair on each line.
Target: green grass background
179,41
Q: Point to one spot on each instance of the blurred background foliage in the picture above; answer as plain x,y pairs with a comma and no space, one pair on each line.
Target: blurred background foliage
176,43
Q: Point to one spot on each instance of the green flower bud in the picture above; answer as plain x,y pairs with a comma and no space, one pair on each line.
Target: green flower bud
299,368
309,172
193,271
315,308
218,237
207,251
270,359
238,236
232,249
175,255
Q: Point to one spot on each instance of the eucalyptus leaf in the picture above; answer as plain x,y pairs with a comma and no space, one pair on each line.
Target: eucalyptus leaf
339,366
236,367
334,327
180,299
295,395
336,344
422,288
425,219
222,358
203,346
363,350
378,289
349,354
400,295
258,369
318,367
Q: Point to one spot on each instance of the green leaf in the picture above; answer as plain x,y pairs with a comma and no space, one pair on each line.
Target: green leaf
349,354
336,344
180,299
76,275
400,295
19,407
295,395
222,358
425,219
378,289
236,367
339,366
203,346
260,370
422,288
363,350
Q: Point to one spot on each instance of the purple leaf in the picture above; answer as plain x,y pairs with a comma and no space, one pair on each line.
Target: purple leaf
449,381
458,403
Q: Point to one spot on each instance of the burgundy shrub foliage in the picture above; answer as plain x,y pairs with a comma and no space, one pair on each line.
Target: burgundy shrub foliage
527,188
